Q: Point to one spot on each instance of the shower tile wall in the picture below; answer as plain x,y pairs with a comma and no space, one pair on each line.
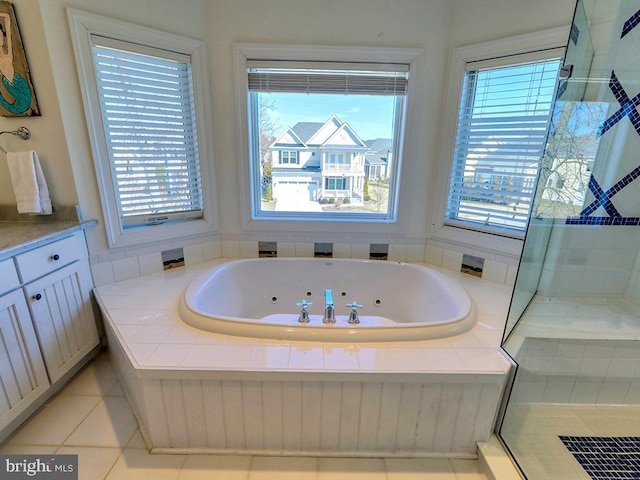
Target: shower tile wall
590,260
573,371
596,252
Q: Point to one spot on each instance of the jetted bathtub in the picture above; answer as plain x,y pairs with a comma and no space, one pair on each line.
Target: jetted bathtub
262,297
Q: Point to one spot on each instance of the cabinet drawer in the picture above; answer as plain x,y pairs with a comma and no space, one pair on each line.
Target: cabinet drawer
47,258
8,276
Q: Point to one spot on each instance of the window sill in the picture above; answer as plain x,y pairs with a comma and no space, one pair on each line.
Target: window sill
488,242
301,225
155,233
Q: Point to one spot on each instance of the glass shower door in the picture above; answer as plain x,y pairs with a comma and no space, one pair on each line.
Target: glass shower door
562,180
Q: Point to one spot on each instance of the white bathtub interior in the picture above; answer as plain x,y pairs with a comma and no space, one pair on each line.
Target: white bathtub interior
264,297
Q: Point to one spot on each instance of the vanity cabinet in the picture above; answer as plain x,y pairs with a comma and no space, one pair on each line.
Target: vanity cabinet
22,374
47,325
58,286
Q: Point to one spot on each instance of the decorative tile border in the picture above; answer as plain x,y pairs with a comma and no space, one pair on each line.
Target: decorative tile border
627,107
621,221
630,24
603,199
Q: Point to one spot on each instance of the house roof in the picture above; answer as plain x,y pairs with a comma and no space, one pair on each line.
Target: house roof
380,144
375,160
306,130
344,135
334,132
289,139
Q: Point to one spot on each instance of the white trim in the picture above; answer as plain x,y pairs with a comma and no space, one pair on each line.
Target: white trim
296,222
83,26
460,58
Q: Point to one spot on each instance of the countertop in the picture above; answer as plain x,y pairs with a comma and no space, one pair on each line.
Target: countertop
18,237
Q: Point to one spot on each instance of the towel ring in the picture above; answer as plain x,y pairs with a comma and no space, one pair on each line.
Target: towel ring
22,132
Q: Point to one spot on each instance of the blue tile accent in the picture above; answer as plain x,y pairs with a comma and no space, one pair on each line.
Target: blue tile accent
574,34
621,221
562,87
606,458
627,107
602,199
630,24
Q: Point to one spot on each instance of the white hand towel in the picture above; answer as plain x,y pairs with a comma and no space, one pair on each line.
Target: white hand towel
29,185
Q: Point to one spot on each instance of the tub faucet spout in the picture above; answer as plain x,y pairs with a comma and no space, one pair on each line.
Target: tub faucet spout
329,310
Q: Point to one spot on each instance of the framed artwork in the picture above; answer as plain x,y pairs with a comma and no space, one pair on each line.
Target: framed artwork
17,97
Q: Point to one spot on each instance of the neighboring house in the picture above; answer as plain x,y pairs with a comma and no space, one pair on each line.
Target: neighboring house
316,161
485,169
378,158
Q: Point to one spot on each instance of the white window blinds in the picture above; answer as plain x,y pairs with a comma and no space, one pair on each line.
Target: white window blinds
502,127
327,77
146,99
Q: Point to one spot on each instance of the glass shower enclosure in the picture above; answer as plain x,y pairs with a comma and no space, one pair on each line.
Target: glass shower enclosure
574,322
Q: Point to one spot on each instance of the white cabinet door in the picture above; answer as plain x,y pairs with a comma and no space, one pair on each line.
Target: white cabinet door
22,374
63,317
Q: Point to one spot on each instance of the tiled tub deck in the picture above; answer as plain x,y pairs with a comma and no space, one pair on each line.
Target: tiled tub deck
195,391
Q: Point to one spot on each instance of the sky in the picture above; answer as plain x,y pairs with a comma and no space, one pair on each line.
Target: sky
371,116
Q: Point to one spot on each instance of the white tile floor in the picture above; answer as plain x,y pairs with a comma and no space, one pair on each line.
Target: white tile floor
91,418
532,433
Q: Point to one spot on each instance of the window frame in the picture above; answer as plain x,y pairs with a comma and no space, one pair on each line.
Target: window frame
486,52
83,27
300,222
488,173
289,153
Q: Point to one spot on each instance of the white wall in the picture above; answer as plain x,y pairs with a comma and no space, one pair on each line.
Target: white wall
436,26
183,18
48,135
355,22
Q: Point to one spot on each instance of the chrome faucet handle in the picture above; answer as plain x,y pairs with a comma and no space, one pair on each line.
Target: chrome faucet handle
304,313
353,316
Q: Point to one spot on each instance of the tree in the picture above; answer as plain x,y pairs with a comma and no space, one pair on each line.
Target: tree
365,190
267,181
267,128
568,158
379,195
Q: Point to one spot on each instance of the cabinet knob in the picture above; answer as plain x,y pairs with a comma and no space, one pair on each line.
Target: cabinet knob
37,296
55,257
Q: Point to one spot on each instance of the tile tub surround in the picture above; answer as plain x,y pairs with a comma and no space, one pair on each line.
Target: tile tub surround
435,397
92,419
124,264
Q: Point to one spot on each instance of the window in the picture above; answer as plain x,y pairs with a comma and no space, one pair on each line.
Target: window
287,157
146,101
329,106
141,105
502,126
335,183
